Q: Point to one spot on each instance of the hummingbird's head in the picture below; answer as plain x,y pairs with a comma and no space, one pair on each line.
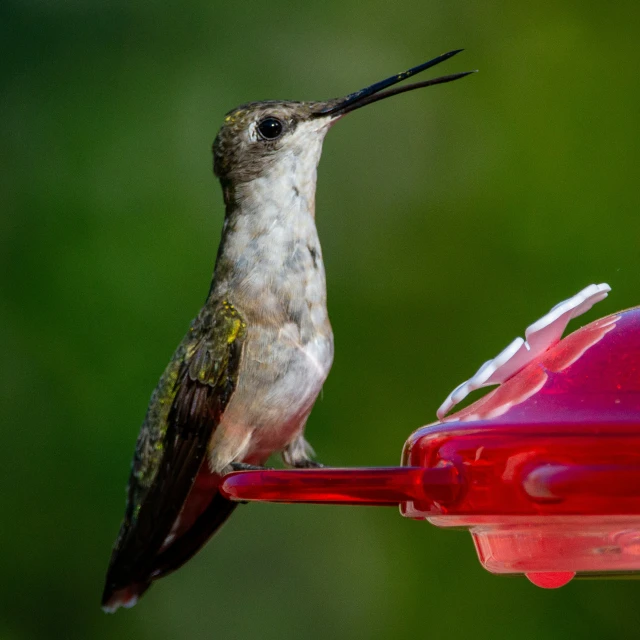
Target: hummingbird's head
255,135
259,137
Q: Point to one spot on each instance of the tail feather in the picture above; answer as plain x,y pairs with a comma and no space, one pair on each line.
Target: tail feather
187,545
172,557
112,600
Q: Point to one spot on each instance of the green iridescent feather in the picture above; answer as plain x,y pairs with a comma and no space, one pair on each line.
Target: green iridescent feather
184,410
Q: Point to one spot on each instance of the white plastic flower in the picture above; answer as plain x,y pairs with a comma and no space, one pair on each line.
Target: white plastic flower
540,336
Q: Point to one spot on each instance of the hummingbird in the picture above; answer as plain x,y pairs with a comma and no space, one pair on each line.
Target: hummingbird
244,379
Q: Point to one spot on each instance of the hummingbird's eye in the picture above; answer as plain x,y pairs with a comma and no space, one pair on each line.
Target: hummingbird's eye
270,128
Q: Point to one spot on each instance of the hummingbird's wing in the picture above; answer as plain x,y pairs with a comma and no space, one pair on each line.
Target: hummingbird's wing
184,410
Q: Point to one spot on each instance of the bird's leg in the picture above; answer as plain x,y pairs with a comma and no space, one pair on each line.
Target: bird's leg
298,454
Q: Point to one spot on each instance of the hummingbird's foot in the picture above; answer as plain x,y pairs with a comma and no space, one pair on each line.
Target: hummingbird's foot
308,464
298,455
243,466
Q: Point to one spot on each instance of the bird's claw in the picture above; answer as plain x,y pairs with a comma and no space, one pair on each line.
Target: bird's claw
243,466
308,464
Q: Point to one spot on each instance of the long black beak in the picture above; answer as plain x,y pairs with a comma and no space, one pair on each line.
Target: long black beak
375,91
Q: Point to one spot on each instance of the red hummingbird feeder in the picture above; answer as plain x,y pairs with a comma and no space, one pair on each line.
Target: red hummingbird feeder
544,471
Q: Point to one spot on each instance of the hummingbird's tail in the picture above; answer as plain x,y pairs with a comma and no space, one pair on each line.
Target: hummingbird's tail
190,542
127,597
187,543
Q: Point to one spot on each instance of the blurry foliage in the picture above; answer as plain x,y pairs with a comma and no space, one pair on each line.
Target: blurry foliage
450,219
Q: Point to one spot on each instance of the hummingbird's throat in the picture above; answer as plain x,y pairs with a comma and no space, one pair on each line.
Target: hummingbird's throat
270,247
285,190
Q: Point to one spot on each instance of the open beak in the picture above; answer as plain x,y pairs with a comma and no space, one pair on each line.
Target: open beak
341,106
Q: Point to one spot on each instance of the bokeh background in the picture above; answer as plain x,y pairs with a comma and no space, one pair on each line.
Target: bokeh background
450,219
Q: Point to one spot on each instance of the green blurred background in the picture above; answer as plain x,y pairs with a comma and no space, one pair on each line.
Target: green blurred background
450,219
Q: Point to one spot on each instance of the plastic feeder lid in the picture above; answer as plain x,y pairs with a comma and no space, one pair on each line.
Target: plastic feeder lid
544,470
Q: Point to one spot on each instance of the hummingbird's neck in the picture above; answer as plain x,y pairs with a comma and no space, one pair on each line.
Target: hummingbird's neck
269,240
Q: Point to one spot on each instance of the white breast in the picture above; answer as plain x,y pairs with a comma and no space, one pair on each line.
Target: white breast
275,277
